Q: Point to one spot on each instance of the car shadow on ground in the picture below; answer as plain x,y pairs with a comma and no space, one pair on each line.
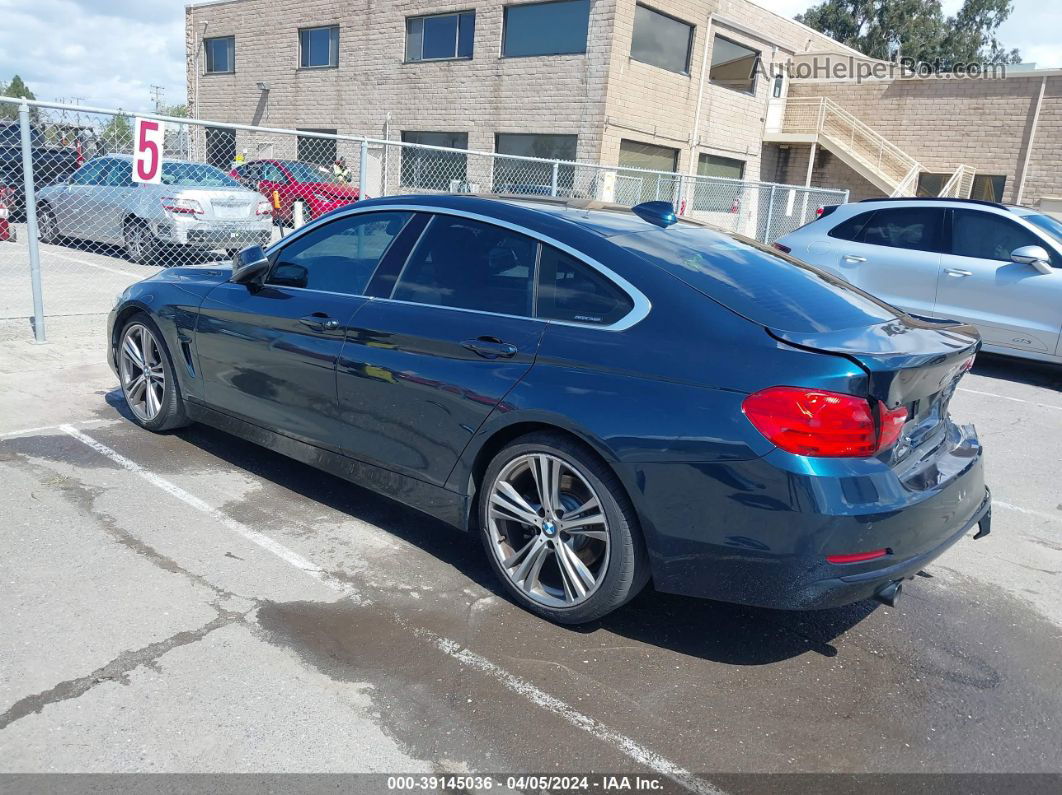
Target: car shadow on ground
716,631
1020,371
169,256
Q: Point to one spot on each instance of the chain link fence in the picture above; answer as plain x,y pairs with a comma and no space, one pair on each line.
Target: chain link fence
84,227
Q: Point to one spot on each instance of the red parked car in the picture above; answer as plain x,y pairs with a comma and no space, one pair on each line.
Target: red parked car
316,187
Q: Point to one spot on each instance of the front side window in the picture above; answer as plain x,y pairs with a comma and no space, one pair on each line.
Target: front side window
220,54
915,228
470,265
431,169
339,257
319,47
661,40
572,291
988,236
440,36
90,173
271,173
527,177
734,65
556,28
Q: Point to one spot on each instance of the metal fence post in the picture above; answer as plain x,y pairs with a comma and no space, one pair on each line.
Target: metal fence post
770,216
553,183
31,223
363,167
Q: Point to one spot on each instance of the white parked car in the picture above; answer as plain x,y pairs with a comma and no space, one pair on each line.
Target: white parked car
195,205
996,266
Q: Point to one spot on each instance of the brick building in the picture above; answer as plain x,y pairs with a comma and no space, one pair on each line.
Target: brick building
672,85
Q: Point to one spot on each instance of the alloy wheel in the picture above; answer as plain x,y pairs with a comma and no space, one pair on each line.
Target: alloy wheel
143,376
548,530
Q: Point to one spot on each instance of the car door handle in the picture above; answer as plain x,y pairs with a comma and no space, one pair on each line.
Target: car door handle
319,321
958,272
491,348
854,258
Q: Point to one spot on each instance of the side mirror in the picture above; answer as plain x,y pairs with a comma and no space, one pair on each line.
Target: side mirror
1036,256
249,266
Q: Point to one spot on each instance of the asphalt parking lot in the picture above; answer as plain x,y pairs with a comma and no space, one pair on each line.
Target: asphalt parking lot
192,602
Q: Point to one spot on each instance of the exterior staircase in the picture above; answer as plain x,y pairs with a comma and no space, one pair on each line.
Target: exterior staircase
822,121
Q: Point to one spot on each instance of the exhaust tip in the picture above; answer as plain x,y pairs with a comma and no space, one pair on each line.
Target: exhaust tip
889,593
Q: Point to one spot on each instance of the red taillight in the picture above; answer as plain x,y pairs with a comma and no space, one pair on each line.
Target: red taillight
783,249
858,557
815,422
819,211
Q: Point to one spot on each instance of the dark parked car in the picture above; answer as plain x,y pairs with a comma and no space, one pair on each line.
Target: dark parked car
51,164
606,396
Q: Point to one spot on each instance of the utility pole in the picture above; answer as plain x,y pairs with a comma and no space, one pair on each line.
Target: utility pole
157,93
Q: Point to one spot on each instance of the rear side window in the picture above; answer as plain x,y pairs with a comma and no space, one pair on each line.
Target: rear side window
915,228
852,228
339,257
988,236
764,287
470,265
572,291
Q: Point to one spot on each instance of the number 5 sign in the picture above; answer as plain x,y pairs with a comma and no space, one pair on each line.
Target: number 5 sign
149,136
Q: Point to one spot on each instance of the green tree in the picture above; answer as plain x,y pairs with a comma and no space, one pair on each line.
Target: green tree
916,29
16,88
178,111
117,134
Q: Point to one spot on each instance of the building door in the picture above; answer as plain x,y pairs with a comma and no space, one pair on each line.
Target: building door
220,147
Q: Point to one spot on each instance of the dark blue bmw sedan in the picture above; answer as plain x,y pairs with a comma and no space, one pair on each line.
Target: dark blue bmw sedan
606,396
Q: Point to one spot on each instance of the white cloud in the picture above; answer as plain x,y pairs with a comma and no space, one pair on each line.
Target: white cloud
107,52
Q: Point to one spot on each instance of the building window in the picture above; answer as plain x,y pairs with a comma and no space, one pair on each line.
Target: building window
556,28
319,47
734,65
988,188
220,54
430,169
220,147
319,151
711,196
930,183
635,187
661,40
528,177
440,37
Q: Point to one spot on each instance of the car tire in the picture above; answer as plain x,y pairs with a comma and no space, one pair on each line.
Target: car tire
609,547
47,228
164,409
141,246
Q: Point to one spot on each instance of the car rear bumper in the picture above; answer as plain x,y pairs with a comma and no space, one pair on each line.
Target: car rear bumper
217,235
759,532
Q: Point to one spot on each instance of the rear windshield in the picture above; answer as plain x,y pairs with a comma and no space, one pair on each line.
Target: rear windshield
757,284
196,175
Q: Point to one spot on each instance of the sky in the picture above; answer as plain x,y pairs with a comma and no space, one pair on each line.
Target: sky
109,53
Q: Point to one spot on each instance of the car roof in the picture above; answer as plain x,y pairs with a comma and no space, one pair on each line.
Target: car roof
601,218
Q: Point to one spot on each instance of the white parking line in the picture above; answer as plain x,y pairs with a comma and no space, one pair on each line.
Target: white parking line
44,428
289,556
1014,399
1027,511
78,261
629,747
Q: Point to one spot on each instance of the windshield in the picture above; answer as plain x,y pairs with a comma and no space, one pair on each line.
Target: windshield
196,175
755,282
1050,225
305,172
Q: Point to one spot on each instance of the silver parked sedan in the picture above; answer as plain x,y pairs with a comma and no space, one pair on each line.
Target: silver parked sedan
995,266
195,205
